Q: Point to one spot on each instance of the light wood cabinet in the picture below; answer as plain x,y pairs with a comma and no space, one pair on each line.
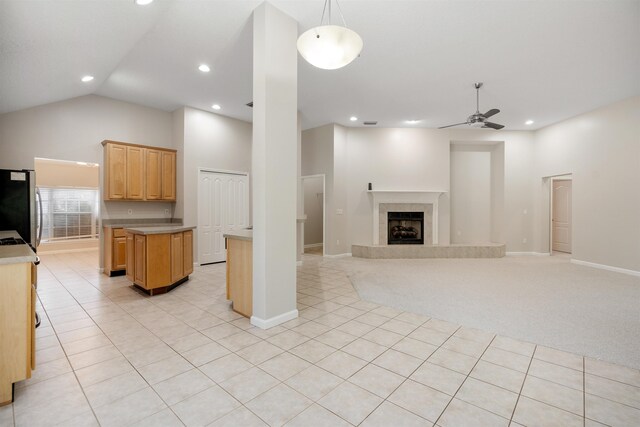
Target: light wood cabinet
138,172
153,167
115,167
17,327
168,175
240,275
188,252
115,250
177,257
158,262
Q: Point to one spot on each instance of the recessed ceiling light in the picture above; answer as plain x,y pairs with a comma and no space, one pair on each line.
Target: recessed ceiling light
143,2
353,118
204,68
86,79
216,107
412,122
528,122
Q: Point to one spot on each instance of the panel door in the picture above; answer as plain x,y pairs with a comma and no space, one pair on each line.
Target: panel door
119,253
153,174
561,216
210,222
168,175
140,261
135,173
177,257
116,171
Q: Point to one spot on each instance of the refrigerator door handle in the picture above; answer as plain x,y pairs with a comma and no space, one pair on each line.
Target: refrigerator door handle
39,216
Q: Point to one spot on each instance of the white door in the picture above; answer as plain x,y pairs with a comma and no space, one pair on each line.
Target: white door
223,205
561,216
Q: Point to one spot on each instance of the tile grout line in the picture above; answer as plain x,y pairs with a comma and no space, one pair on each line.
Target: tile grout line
522,386
465,380
584,393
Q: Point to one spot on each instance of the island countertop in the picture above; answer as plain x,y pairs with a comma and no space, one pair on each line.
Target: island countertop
239,235
161,229
15,254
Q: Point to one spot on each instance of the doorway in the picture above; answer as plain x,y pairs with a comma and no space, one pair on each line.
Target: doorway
223,206
314,203
560,215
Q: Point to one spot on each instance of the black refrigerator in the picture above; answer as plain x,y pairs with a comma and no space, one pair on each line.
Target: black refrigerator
18,208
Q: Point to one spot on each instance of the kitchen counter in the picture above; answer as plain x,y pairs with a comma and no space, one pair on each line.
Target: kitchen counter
239,235
15,254
161,229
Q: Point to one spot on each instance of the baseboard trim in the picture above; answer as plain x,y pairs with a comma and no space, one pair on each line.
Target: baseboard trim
274,321
527,253
606,267
313,245
345,255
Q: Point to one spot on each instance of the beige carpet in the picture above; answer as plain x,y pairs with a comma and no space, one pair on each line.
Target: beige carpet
545,300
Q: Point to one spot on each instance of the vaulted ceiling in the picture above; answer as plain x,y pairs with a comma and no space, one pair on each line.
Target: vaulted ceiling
540,60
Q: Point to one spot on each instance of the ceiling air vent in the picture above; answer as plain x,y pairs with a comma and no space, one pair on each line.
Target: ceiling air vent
249,104
369,123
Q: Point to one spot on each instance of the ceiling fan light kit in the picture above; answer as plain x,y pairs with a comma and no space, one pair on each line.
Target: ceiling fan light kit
330,46
477,119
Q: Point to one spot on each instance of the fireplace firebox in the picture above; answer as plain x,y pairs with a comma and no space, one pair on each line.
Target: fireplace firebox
405,228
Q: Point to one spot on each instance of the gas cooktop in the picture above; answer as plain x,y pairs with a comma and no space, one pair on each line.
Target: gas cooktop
11,241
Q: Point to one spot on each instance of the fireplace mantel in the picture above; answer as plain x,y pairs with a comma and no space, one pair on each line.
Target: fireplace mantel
404,196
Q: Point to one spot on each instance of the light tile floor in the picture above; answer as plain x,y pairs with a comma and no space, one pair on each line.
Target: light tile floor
111,356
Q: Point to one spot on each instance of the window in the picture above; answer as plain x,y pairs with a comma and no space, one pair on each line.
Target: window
69,213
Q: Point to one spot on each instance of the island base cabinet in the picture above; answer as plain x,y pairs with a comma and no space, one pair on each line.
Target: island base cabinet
17,327
240,275
158,260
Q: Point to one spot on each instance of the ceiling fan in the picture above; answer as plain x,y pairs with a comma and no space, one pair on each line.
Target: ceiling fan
478,119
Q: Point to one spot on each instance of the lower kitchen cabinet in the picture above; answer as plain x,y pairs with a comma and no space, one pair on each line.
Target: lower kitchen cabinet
157,262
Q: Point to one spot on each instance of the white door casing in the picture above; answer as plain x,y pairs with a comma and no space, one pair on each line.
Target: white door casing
223,205
561,216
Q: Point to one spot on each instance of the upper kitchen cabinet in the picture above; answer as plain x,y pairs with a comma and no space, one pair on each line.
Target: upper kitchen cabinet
138,172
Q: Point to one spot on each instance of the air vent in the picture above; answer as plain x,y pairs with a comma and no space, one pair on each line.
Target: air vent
249,104
369,123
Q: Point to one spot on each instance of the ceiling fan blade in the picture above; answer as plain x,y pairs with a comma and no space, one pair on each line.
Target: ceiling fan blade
457,124
492,125
491,112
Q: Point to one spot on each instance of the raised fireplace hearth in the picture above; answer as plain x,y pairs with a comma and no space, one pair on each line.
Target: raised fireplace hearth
405,228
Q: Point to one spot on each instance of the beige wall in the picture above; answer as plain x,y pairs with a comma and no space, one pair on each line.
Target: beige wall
601,149
208,141
51,173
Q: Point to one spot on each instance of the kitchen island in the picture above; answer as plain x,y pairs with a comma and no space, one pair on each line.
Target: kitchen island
159,258
17,314
240,270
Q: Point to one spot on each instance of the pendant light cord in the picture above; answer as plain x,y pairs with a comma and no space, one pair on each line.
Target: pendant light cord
328,2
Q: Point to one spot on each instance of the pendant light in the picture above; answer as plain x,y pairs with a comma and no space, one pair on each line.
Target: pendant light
330,46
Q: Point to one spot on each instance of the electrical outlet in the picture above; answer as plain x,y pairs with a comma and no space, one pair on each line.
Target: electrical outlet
524,240
337,242
339,211
130,211
458,233
524,211
166,211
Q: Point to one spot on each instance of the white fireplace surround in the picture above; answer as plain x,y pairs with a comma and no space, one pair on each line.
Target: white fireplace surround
408,197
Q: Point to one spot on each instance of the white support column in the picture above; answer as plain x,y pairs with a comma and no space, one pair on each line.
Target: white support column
274,166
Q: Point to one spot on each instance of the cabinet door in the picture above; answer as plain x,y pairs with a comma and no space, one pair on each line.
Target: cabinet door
177,257
131,251
168,175
188,252
140,260
119,253
116,171
135,173
153,174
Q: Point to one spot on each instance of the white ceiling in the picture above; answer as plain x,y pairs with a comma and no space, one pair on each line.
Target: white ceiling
539,60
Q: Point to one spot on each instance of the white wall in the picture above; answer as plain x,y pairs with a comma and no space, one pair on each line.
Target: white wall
601,149
313,209
516,179
73,130
394,159
209,141
470,195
